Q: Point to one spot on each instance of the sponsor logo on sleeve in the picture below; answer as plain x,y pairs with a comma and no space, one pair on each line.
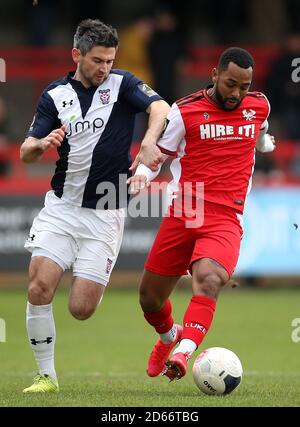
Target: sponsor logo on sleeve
147,90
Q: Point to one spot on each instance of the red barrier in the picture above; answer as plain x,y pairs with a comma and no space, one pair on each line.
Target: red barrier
202,59
21,181
46,64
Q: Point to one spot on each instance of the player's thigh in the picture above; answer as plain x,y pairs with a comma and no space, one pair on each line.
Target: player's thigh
53,231
216,255
155,289
44,277
52,254
99,245
172,248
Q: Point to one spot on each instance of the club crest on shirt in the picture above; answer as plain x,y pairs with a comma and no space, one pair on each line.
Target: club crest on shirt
104,96
249,115
206,116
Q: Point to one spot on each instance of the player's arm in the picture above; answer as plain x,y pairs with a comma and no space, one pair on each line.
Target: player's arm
33,148
149,153
265,142
143,98
45,131
143,176
173,133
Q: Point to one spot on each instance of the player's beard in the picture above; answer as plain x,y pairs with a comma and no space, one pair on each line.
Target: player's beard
92,80
222,101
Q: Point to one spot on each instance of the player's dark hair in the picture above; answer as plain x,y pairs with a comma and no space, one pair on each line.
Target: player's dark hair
238,56
93,32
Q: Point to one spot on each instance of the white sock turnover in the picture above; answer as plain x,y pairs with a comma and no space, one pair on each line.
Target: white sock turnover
186,346
169,336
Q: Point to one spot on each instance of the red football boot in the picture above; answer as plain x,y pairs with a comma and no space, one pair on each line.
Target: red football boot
176,366
160,354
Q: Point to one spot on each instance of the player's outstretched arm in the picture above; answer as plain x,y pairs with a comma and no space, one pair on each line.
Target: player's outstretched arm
265,143
143,176
149,153
137,183
32,148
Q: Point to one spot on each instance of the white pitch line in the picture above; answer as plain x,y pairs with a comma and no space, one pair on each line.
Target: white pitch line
135,373
273,373
72,374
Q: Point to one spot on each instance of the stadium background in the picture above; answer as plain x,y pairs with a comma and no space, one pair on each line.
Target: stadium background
35,45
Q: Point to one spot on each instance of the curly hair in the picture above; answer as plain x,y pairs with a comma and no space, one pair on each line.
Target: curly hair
238,56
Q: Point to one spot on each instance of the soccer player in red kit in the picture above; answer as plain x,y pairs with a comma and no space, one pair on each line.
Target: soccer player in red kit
213,135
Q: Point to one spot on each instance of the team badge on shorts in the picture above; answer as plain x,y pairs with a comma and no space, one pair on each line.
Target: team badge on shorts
108,265
104,95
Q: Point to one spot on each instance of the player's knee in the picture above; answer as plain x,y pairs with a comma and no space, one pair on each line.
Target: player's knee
209,283
149,301
81,313
39,293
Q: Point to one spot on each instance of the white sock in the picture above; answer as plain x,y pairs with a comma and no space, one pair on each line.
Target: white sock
186,346
169,336
41,334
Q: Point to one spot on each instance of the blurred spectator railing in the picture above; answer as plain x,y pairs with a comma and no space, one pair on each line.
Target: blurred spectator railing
35,178
26,179
202,59
36,63
46,64
39,66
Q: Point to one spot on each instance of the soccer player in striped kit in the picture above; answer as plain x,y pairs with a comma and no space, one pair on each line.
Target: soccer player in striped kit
212,136
88,116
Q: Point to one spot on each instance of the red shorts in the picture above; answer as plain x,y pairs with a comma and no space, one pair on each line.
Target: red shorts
176,247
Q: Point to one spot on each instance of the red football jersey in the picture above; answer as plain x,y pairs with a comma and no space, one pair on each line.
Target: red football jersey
215,147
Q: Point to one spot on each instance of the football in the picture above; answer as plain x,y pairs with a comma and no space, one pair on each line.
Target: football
217,371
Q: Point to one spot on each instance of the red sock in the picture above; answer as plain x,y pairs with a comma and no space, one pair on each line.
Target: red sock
162,320
198,318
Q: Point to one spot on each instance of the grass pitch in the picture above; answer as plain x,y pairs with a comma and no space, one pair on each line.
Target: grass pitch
101,362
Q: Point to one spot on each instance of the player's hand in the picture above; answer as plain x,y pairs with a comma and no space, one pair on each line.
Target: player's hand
150,155
137,183
53,140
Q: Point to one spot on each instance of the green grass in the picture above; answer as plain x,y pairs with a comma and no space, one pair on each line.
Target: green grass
101,362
